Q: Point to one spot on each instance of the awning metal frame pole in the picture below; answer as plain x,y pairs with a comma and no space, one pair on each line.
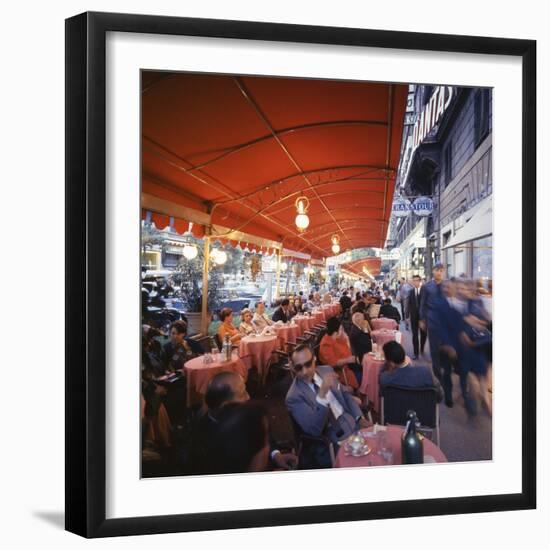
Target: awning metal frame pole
205,321
277,288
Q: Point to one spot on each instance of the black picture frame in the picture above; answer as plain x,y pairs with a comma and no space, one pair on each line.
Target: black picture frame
86,278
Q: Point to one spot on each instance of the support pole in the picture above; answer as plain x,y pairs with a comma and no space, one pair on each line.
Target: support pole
205,321
278,283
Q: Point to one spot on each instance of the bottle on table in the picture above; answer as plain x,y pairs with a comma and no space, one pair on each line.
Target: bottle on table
412,447
226,349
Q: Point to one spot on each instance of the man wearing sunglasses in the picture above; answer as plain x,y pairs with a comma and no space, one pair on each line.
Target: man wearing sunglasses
318,403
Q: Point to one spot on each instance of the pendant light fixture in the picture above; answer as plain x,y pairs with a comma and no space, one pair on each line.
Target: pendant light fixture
302,219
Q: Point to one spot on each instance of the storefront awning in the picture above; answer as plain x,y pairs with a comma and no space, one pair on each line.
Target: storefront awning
478,226
369,266
234,153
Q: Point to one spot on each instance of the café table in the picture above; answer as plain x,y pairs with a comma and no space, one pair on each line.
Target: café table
384,322
260,349
369,383
303,322
199,373
287,333
390,441
381,336
319,315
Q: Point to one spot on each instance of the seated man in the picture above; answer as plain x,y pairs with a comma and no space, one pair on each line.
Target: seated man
260,319
399,372
320,407
282,313
389,311
225,388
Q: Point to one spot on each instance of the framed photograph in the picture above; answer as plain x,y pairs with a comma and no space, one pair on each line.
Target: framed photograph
288,273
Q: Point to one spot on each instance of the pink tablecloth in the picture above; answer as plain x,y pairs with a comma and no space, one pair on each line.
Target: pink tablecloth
287,333
369,384
199,374
302,321
432,453
384,322
260,348
319,316
331,310
383,335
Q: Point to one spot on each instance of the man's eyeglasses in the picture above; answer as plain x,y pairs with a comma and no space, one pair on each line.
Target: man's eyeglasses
306,365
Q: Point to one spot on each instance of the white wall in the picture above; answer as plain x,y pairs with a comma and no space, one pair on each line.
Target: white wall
32,129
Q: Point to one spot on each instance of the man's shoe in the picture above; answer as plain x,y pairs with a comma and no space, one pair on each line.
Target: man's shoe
449,403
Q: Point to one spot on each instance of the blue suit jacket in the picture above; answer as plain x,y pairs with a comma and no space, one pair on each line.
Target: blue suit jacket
313,418
411,377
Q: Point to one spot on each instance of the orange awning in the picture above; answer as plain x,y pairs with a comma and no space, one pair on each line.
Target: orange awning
243,149
371,264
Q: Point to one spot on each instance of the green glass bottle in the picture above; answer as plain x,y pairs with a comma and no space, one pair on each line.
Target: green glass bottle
412,447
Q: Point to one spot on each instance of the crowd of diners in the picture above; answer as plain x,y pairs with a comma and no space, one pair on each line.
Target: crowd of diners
230,432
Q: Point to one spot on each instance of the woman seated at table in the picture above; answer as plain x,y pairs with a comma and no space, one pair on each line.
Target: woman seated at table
335,351
227,328
359,337
246,327
327,298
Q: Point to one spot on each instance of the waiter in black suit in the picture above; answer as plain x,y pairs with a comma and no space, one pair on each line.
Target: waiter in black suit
413,303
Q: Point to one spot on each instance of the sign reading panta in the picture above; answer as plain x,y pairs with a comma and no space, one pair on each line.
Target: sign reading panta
431,114
422,206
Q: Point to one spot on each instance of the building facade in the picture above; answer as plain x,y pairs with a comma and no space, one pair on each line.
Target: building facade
446,156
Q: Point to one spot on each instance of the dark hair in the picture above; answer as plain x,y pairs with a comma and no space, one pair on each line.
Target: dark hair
225,313
394,352
179,326
220,390
241,432
257,304
285,302
358,296
333,324
359,307
310,297
387,301
416,276
299,348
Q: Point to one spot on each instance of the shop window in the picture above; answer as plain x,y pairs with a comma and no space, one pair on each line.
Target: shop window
482,261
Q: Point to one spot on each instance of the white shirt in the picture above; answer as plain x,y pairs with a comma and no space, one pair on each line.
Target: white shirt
329,400
261,321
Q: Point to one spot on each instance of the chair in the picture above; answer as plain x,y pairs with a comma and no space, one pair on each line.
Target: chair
306,446
218,341
397,400
204,340
277,367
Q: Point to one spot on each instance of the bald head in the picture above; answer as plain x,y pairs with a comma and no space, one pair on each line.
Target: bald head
225,387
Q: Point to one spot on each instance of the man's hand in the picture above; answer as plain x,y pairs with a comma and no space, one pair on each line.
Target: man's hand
422,325
285,461
449,351
329,381
363,422
161,390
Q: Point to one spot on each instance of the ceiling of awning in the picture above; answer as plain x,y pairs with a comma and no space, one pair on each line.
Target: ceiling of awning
371,263
245,148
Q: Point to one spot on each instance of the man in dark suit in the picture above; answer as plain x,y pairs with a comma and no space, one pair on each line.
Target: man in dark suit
399,372
413,314
345,301
282,313
389,311
320,406
430,298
